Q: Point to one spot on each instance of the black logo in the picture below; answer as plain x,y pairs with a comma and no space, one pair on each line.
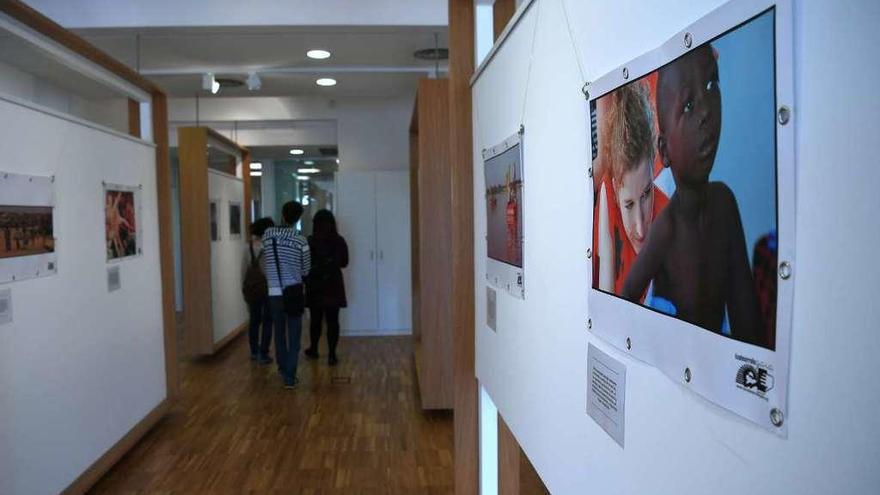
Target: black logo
755,379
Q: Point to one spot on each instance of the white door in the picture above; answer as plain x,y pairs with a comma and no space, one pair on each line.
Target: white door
393,247
356,220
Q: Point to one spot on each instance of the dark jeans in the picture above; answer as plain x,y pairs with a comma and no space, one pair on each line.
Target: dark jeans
288,331
260,315
317,316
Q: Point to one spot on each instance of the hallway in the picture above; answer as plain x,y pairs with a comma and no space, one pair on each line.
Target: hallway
354,429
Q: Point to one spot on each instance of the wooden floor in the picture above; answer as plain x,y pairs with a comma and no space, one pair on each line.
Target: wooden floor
353,429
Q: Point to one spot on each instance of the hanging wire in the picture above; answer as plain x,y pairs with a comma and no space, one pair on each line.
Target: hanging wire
577,53
531,58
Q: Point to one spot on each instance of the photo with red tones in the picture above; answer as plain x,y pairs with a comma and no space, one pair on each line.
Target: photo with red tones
120,224
504,207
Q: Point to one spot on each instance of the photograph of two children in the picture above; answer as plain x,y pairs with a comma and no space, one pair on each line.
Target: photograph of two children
685,187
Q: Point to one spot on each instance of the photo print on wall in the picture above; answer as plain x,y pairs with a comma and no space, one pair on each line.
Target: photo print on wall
121,221
235,220
688,201
215,227
25,231
503,167
27,227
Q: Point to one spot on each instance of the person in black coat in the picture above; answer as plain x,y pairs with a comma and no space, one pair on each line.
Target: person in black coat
325,289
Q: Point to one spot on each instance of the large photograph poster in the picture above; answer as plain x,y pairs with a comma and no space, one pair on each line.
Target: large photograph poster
503,168
121,217
27,227
685,213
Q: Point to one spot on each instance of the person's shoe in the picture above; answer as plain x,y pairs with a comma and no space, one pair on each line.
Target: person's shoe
291,383
264,360
332,361
311,353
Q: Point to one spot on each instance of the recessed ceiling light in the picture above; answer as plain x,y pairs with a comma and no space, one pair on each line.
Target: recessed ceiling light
256,173
302,177
308,170
296,151
318,54
337,161
309,162
256,166
326,81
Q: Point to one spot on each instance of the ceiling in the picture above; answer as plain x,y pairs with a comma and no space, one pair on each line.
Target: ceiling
366,61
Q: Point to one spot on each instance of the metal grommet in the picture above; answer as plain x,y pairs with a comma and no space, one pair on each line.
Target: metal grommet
783,115
687,375
688,40
585,90
785,270
590,172
625,73
776,417
589,253
629,344
589,323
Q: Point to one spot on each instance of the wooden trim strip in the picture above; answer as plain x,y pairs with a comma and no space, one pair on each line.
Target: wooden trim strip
212,134
99,468
166,246
509,459
26,15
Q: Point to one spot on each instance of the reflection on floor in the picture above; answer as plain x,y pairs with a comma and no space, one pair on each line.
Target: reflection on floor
353,429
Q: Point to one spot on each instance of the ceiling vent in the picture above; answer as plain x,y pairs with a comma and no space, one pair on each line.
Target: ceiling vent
432,54
227,83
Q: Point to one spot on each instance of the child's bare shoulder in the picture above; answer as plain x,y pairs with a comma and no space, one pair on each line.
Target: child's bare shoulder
721,196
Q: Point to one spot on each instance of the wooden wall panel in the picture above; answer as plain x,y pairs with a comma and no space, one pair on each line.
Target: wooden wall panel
502,12
134,118
461,68
195,240
434,342
509,455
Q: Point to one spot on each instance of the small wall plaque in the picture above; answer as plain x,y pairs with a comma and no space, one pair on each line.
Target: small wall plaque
606,392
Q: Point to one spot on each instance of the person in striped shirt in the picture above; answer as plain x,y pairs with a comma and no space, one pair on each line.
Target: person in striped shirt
286,262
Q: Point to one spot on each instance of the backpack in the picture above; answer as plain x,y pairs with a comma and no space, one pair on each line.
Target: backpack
254,288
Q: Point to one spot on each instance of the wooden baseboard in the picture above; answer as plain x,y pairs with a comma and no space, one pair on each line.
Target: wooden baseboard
230,337
90,476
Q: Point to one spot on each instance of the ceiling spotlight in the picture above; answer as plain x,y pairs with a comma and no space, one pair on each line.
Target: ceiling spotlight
318,54
308,170
209,83
253,82
309,162
256,173
296,151
326,81
302,177
337,161
256,166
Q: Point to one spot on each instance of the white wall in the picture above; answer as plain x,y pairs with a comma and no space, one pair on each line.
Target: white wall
534,367
229,257
79,366
156,13
112,113
373,133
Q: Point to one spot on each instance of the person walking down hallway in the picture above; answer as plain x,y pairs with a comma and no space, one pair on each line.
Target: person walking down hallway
325,288
256,295
286,264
